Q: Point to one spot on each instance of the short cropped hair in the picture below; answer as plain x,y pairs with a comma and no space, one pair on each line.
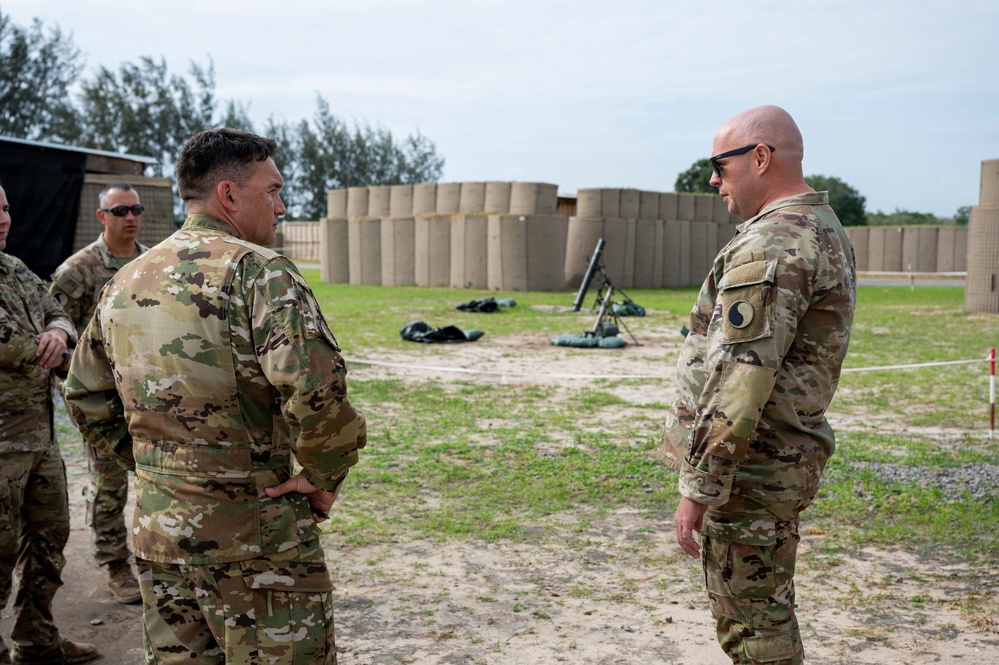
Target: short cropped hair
118,184
215,155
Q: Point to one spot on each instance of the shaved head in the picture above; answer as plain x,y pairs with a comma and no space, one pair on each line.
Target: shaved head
771,125
758,160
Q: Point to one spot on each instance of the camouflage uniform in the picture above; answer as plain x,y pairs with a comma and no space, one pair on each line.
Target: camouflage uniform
747,431
207,366
34,509
76,285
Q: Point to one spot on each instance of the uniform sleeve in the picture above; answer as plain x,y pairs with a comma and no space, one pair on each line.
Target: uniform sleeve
55,316
299,356
760,298
17,347
68,290
18,341
92,398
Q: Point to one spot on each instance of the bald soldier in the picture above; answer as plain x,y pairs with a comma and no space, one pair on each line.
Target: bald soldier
747,431
75,285
209,369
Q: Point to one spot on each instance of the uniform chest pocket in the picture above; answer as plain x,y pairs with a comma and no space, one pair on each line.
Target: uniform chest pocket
746,302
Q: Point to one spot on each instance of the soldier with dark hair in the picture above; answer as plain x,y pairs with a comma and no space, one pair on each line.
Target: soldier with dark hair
34,508
747,430
209,369
76,285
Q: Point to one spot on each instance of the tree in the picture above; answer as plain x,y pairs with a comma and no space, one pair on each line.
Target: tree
236,116
844,199
143,110
903,218
962,215
695,179
330,155
37,68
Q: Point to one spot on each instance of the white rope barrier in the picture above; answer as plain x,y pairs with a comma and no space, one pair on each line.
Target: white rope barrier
496,372
651,377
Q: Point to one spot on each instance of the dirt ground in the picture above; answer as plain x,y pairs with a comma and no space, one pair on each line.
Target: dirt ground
604,600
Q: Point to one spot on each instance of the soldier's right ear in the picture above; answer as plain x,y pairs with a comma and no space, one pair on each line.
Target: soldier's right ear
225,191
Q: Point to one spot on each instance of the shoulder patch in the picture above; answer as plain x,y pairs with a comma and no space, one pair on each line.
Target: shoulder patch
744,302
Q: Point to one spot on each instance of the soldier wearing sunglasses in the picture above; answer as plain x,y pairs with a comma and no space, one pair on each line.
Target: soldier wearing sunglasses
747,430
75,285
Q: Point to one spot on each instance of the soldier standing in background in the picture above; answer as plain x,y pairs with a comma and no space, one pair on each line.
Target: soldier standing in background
34,507
747,430
76,285
209,370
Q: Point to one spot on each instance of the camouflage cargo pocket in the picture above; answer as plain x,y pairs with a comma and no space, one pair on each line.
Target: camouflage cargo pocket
293,610
741,583
778,648
744,293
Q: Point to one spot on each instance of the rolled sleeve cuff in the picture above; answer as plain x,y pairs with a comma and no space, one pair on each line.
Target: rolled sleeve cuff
68,327
707,488
327,484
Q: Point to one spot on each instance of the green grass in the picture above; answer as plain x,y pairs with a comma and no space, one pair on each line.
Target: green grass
458,459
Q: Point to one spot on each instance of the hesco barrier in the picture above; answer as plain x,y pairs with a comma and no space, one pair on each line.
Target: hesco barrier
919,249
398,251
448,198
525,252
982,290
703,247
497,198
334,251
670,241
629,206
364,243
676,260
649,249
424,199
469,251
648,206
704,208
472,197
400,201
533,198
357,202
336,204
378,202
432,261
861,244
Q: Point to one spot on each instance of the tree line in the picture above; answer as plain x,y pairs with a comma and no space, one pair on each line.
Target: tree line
144,109
848,203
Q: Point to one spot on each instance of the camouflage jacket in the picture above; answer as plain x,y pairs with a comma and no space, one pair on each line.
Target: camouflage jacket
768,335
26,311
206,367
78,281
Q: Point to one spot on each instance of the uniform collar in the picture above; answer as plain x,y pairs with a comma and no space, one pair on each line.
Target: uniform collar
105,252
807,199
210,223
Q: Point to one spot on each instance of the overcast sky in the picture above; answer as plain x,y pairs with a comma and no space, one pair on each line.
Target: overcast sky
900,99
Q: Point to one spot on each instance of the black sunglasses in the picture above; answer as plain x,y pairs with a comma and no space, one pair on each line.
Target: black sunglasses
732,153
121,211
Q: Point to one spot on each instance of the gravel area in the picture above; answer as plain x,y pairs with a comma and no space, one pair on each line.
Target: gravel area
977,481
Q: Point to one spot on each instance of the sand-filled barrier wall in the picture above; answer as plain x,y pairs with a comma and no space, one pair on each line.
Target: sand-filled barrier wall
982,290
653,239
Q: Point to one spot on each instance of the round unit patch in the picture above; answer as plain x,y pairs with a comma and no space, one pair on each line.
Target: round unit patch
740,314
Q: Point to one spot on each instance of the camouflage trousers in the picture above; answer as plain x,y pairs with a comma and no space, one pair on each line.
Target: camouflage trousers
34,528
748,551
276,610
106,495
